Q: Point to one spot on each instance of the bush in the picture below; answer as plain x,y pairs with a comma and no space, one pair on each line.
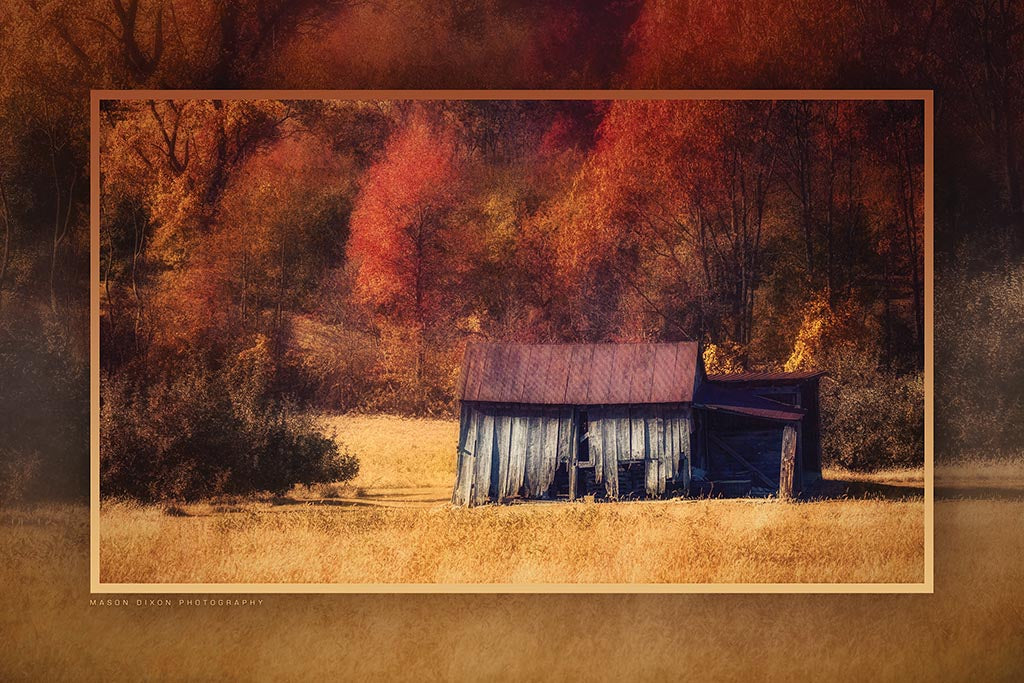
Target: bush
872,419
202,434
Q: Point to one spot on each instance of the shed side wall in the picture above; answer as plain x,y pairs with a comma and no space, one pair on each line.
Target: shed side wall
509,450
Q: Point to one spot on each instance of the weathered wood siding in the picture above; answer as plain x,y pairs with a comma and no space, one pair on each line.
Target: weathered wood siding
656,435
510,450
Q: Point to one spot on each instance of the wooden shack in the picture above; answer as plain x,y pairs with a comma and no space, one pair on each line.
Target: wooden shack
761,435
550,421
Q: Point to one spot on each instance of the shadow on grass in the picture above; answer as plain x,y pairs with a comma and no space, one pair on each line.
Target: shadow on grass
321,502
369,502
832,489
827,489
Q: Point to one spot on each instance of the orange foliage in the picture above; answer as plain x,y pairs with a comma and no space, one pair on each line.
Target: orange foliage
414,226
400,222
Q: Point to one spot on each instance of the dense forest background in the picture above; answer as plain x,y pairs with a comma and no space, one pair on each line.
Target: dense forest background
343,253
183,244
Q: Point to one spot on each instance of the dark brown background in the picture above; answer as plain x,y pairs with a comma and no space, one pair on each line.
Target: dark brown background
969,52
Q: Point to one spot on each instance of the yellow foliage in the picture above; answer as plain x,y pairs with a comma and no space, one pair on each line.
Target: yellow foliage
818,319
471,323
723,358
828,332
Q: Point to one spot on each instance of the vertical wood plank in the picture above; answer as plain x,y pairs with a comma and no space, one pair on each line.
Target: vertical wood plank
657,429
564,430
464,416
460,474
502,434
482,456
469,470
670,426
610,463
595,416
460,451
550,446
788,465
677,436
684,460
570,465
534,454
517,455
637,433
623,445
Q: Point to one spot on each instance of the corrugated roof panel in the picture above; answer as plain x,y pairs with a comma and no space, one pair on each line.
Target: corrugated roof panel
664,380
686,371
494,373
601,363
474,368
460,389
645,389
638,369
509,384
556,376
538,381
488,369
618,377
627,361
523,370
780,376
580,365
579,374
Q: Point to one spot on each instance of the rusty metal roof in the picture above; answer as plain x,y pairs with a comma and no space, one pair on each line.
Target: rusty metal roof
579,374
716,396
754,377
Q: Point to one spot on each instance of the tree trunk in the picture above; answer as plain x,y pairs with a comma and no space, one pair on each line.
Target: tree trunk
138,249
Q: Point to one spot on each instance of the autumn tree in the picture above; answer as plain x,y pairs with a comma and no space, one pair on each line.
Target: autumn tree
166,165
405,233
683,188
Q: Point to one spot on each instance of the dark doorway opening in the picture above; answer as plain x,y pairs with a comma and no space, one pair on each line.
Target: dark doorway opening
583,445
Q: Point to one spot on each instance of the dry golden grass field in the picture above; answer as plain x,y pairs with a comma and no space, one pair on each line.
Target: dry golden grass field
971,628
393,524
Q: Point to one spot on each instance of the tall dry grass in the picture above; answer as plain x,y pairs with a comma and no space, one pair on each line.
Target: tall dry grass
399,452
699,541
970,629
395,526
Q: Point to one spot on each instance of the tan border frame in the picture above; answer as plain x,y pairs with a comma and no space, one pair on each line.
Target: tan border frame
927,586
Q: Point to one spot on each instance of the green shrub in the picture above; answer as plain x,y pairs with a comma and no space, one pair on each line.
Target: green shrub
199,435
